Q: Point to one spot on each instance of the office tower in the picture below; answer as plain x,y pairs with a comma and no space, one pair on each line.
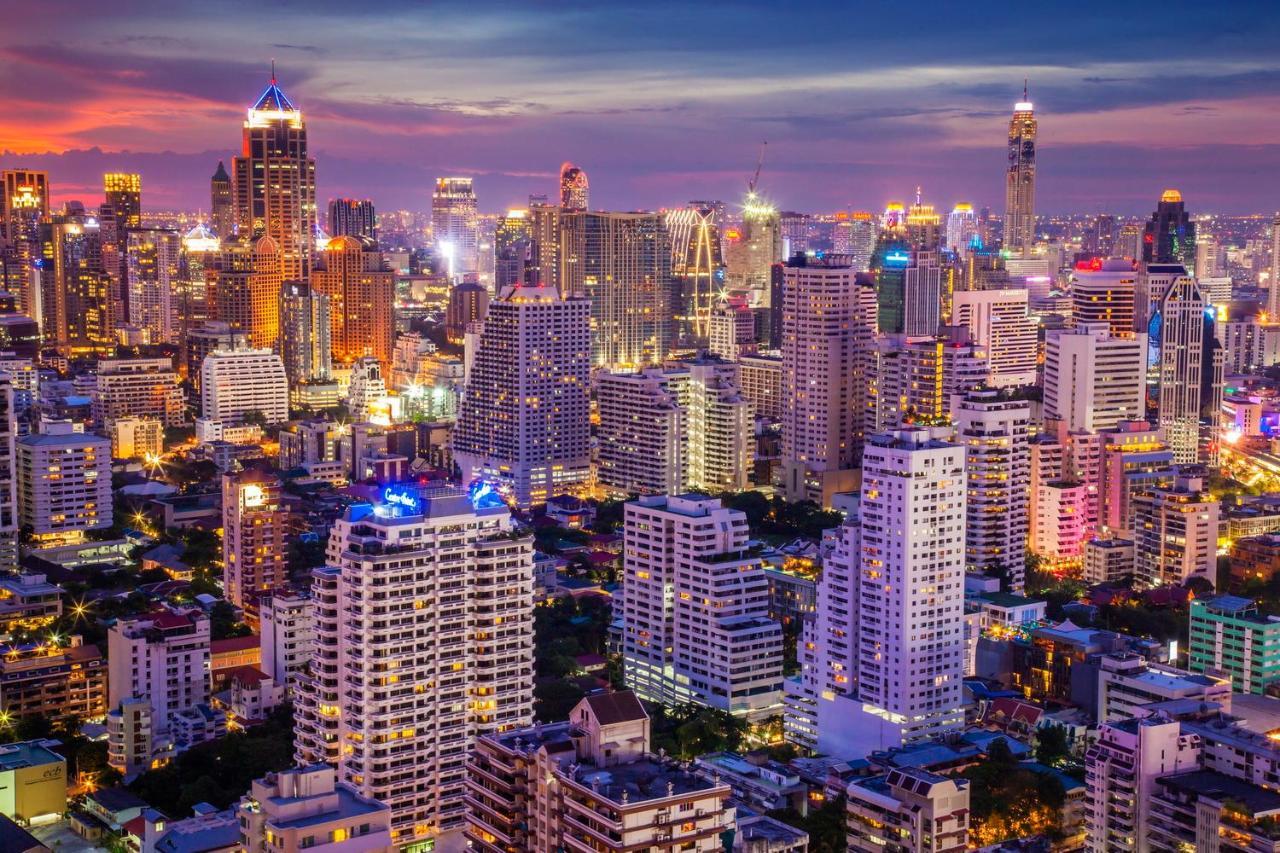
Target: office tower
160,659
152,275
642,433
1129,241
1175,533
1134,460
530,789
694,614
524,419
909,809
222,208
573,187
999,323
468,303
24,202
1209,258
253,538
825,328
1020,181
350,217
732,330
138,387
8,475
923,227
274,189
994,430
922,287
889,266
64,483
962,227
720,429
455,578
906,383
306,334
555,240
234,383
455,226
512,246
246,290
756,249
862,239
204,339
1181,354
1100,237
1103,291
123,193
698,269
197,265
910,607
1094,380
625,269
1169,236
75,288
361,293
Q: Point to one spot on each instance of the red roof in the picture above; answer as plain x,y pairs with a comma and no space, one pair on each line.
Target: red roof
247,675
135,827
234,644
169,619
1006,711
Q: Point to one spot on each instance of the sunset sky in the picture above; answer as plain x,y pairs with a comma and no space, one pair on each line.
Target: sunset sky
659,101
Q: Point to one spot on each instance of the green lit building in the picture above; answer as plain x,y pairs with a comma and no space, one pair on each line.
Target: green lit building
1230,638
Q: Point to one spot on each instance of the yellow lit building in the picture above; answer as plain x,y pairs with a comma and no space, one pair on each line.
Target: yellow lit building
33,782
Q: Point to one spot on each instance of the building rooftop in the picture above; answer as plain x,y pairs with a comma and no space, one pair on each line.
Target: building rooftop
646,779
30,753
1261,802
618,707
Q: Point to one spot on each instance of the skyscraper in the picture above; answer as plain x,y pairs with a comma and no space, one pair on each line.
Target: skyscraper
222,209
1273,286
625,269
524,422
962,227
306,334
455,226
24,202
152,257
1170,236
274,189
512,248
1100,237
753,249
1181,354
573,187
697,267
350,217
999,323
1020,180
123,192
922,286
862,239
253,538
245,292
453,635
889,263
361,292
994,429
74,286
1103,291
1094,379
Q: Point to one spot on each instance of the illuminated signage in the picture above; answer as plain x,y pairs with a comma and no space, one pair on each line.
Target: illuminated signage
401,498
897,258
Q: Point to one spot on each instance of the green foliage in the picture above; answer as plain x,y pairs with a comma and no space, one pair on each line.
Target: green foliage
609,516
1051,744
221,771
779,519
687,731
554,698
1009,801
825,825
223,623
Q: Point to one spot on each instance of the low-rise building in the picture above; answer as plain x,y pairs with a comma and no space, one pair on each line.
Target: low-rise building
1107,560
28,602
33,782
1127,682
306,808
1255,558
910,810
53,682
1230,638
137,438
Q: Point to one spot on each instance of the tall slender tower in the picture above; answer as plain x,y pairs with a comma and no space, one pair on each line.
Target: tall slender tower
1183,354
123,191
275,180
222,215
455,226
573,187
1020,180
1273,287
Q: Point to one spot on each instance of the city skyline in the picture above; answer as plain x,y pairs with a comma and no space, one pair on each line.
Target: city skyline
658,105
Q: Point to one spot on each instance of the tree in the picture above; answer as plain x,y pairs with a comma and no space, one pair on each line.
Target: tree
1051,744
224,624
554,698
254,417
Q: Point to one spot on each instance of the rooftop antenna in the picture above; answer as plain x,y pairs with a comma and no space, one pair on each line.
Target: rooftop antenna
755,179
273,71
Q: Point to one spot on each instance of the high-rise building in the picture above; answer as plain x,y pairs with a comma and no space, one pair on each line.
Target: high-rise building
1169,236
1020,181
642,433
253,538
246,289
908,809
1273,286
999,323
1094,380
197,266
1231,637
351,217
760,379
1100,237
962,227
923,227
123,193
64,483
222,207
1181,353
204,339
827,325
698,268
624,267
152,268
8,476
695,624
455,577
922,287
573,187
753,249
306,334
732,330
361,293
994,428
24,202
74,286
455,226
889,263
468,303
862,239
284,624
274,188
1104,290
1129,241
720,426
234,383
1176,533
512,249
524,421
910,607
138,387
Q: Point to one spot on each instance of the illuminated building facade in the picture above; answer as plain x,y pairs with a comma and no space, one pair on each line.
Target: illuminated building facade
274,186
524,421
138,387
625,265
235,382
697,267
1104,291
454,577
152,275
246,290
24,202
573,187
351,217
222,208
123,194
962,227
1020,181
455,226
361,295
306,334
1170,235
1175,534
1093,379
253,538
63,483
994,430
75,288
1182,353
922,288
8,470
999,322
757,247
512,247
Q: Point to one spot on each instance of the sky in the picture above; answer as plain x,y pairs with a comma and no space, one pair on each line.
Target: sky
661,102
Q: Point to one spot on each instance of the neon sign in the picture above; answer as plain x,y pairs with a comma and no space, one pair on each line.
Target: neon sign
401,498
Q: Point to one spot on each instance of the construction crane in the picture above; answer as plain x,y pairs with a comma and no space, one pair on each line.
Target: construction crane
755,179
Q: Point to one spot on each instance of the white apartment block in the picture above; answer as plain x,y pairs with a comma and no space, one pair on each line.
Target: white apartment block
524,421
8,477
732,331
1249,345
286,636
642,433
909,810
161,658
236,382
994,431
1093,379
694,610
138,387
423,638
64,482
911,602
760,380
1176,534
999,323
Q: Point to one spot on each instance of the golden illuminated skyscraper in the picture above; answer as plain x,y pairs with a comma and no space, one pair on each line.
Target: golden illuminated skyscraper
246,290
274,186
24,201
573,187
1020,180
698,269
75,288
123,193
361,298
924,226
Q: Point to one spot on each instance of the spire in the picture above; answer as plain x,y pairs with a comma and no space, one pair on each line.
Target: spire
273,99
273,73
1024,80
